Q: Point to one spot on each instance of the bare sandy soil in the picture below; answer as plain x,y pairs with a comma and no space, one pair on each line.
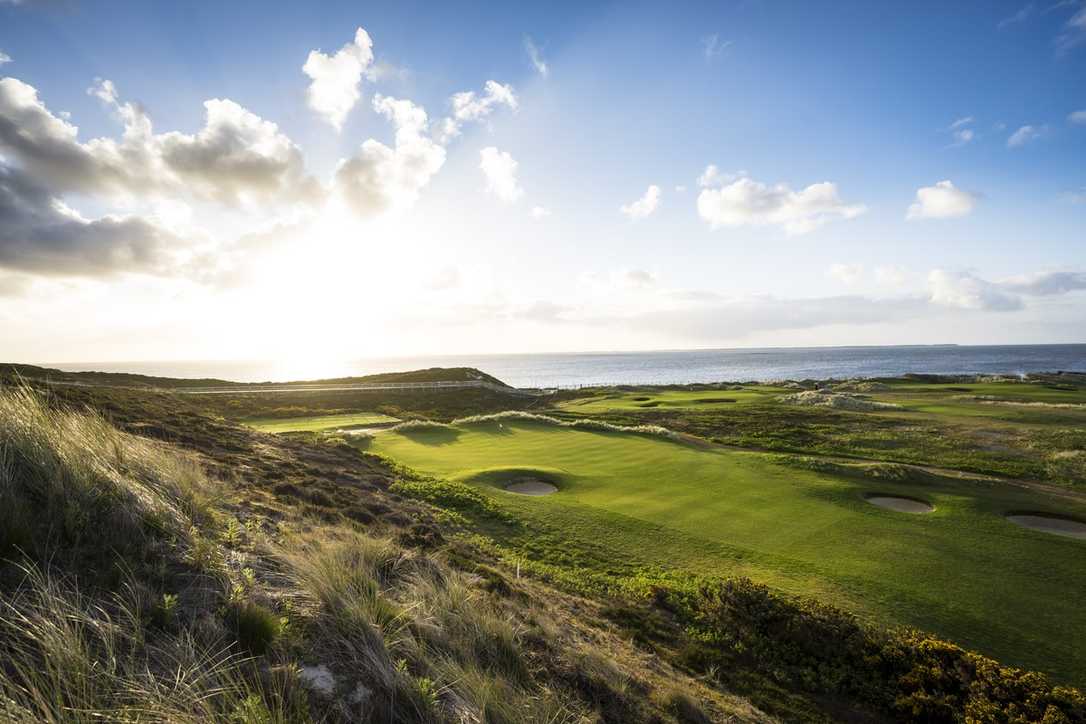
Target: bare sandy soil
901,505
1049,524
531,487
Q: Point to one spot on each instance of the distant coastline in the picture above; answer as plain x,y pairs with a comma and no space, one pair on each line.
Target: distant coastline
655,367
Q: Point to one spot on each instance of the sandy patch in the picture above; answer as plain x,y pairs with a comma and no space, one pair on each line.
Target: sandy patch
1050,524
527,486
901,505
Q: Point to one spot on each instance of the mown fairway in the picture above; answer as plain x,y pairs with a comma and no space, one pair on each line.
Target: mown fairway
320,422
629,502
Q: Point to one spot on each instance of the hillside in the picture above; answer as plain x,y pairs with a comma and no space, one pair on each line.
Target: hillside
124,379
299,578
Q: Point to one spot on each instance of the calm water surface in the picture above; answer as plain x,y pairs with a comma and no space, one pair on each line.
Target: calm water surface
664,367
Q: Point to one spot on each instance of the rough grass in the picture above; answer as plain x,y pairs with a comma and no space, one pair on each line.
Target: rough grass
72,484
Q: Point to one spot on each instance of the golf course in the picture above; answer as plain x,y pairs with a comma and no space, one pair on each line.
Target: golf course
642,501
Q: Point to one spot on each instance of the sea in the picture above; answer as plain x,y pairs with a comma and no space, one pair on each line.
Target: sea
571,370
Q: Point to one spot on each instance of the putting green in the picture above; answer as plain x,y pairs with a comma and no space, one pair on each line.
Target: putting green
962,571
320,422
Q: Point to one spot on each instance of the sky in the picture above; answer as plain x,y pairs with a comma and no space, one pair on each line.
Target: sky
240,181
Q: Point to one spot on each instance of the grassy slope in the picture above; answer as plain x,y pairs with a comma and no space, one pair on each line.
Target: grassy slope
315,423
963,571
432,374
141,581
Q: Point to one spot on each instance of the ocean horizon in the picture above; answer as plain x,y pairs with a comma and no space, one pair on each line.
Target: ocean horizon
573,369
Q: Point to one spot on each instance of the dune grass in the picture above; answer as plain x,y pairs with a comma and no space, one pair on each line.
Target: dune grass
317,423
631,502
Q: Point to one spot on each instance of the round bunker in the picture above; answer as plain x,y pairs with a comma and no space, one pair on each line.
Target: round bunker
899,504
527,486
1050,524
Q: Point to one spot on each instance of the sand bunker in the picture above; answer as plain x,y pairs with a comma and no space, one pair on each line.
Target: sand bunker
901,505
1050,524
528,486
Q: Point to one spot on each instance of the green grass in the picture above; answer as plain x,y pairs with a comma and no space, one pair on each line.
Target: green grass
316,423
649,399
629,502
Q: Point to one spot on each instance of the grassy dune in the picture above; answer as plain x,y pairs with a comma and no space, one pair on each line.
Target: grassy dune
634,501
316,423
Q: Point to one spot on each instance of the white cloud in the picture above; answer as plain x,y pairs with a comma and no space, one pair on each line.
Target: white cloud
1020,16
1074,31
4,57
237,157
335,79
467,106
1077,117
745,202
889,276
605,284
712,46
942,201
644,206
536,56
500,170
379,178
847,274
963,136
539,212
680,189
713,176
965,291
1046,284
1024,135
42,235
964,121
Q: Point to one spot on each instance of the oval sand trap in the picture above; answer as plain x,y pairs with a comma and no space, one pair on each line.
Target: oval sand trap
901,505
1050,524
531,487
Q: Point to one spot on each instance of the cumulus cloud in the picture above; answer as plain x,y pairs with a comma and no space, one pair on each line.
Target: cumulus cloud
41,235
237,157
500,170
746,202
1024,135
469,106
966,291
847,274
335,79
944,200
4,57
539,212
379,178
536,56
1077,117
644,206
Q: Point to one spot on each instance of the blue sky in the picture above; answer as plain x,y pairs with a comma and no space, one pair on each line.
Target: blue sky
885,173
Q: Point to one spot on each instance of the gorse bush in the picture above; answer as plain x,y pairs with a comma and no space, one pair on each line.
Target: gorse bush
818,648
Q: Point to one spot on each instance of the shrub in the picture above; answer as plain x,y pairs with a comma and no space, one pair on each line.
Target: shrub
255,627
